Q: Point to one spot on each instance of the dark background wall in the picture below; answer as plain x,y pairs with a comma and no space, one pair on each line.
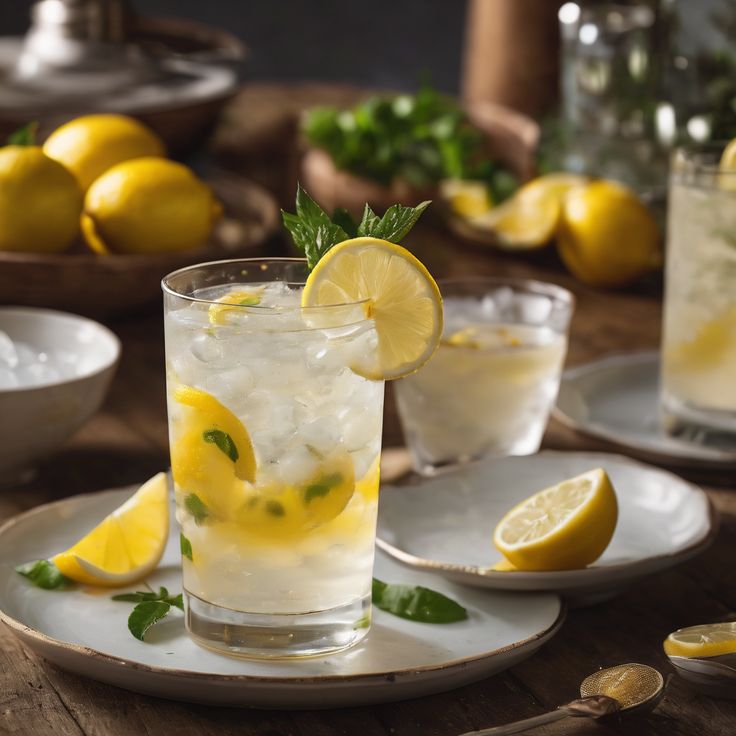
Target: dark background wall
381,43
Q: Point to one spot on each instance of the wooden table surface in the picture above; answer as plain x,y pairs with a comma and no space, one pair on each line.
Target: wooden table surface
126,442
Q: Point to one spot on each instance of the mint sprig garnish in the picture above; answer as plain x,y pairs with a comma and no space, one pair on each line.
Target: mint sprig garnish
314,232
150,608
417,603
44,574
223,441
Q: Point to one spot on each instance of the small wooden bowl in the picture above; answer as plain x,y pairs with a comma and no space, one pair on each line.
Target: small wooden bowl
91,284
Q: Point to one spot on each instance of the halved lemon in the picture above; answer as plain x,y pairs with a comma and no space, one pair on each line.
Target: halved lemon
403,301
705,640
564,527
126,545
529,219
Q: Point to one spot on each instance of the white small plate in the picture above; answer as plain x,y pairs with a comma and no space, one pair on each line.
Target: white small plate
616,399
85,631
445,524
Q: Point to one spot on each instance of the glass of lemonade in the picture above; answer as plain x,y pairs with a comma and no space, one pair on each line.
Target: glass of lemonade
275,447
698,381
491,384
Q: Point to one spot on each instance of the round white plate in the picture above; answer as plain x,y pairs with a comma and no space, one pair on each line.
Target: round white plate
85,631
616,399
445,524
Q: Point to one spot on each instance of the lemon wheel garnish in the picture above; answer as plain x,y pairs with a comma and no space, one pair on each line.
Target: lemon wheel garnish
529,219
213,429
126,545
564,527
706,640
403,301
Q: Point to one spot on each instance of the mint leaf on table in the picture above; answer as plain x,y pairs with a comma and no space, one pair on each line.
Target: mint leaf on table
24,136
150,608
223,441
314,232
44,574
186,547
197,508
417,603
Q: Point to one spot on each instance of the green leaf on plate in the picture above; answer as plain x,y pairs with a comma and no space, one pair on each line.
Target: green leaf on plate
145,615
44,574
417,603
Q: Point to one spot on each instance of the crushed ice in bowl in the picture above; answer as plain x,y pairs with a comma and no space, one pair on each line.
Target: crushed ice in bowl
23,365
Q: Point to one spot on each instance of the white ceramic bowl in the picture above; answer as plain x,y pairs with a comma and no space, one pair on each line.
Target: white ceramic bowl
35,420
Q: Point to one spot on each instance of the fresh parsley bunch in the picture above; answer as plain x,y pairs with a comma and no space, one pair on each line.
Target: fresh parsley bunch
421,138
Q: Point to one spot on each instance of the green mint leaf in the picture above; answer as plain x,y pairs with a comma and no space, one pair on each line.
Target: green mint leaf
416,603
44,574
275,508
24,136
394,225
322,488
345,220
311,228
250,301
137,597
186,547
197,508
145,615
223,441
363,623
177,601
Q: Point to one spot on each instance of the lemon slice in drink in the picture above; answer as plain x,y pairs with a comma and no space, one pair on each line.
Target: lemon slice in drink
564,527
126,545
403,301
706,640
229,305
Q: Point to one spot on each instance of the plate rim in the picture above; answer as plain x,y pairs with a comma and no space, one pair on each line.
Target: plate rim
26,632
717,460
566,579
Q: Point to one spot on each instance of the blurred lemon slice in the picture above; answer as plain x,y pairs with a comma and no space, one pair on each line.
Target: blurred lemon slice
564,527
403,301
706,640
228,306
728,166
126,545
466,198
529,219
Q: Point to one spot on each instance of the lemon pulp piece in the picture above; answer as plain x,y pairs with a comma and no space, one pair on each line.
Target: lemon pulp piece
90,145
466,198
404,301
606,235
228,304
564,527
126,545
529,218
483,336
706,640
213,438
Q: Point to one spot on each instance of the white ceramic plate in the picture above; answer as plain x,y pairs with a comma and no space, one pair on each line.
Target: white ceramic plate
85,631
445,524
616,400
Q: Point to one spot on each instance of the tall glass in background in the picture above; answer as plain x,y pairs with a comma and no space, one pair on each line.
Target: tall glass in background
698,382
490,386
275,447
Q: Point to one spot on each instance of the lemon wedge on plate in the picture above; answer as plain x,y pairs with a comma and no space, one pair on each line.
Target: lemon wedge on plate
564,527
705,640
126,545
401,297
466,198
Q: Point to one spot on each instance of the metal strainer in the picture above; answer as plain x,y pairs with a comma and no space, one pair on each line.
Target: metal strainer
625,687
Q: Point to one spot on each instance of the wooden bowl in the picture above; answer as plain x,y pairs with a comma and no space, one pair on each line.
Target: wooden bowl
91,284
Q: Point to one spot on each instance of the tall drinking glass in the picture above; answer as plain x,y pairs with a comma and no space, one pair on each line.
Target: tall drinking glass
275,447
698,382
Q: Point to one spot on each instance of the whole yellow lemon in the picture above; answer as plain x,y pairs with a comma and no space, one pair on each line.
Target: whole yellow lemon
89,145
148,205
40,202
606,236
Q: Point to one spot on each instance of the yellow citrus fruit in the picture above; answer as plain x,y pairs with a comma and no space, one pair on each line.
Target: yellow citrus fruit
148,205
90,145
529,218
402,299
606,236
126,545
40,202
564,527
728,165
466,198
705,640
228,306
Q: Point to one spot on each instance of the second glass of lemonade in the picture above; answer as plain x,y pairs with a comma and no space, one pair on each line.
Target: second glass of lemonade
275,448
